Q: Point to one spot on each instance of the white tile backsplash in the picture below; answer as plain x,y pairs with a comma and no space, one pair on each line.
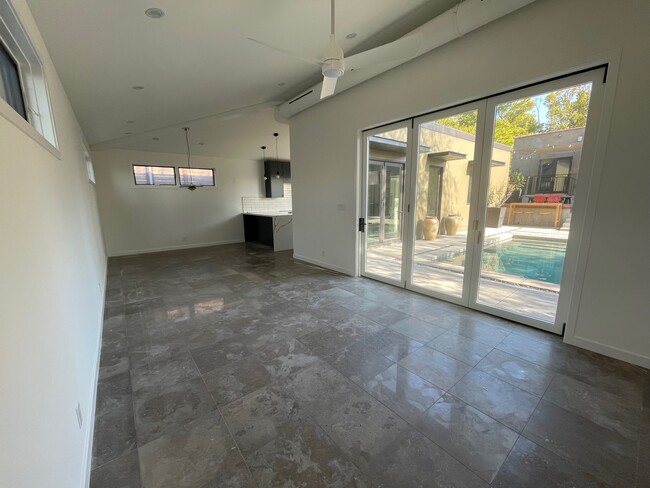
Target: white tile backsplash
257,204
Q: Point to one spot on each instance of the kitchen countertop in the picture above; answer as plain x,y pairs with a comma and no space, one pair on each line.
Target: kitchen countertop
269,214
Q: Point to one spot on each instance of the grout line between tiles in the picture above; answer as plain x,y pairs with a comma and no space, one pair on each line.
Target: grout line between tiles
223,419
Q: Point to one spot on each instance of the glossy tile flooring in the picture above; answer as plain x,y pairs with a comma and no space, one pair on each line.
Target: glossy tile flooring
233,366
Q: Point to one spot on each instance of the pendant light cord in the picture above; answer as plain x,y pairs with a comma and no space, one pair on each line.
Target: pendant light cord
189,153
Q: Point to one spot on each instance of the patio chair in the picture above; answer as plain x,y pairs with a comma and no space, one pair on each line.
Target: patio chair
539,199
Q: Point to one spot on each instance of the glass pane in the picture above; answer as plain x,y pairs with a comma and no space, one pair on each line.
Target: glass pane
10,90
374,202
384,205
394,193
154,175
196,176
535,164
442,206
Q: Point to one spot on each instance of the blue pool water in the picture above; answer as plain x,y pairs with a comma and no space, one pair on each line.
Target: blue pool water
528,258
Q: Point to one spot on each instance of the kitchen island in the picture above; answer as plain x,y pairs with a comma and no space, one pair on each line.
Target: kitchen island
273,229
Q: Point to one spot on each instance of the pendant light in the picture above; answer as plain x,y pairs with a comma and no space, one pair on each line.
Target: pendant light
264,159
275,134
191,186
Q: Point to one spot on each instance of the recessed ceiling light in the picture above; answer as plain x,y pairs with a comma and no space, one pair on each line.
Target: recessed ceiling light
128,133
154,13
201,144
138,87
281,84
155,138
130,121
351,35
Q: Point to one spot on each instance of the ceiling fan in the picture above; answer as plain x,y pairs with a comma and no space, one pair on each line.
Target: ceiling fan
334,64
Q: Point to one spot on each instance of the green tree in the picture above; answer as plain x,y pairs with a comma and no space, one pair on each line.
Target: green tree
465,122
514,119
567,108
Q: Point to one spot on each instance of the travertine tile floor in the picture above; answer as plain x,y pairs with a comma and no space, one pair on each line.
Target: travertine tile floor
234,366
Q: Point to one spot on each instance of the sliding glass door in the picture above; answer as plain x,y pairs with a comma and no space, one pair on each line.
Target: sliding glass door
480,204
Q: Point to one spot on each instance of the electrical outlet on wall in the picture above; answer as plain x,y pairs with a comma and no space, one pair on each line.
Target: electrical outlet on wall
80,418
323,252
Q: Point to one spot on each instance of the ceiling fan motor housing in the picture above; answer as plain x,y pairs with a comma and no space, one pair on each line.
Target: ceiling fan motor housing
333,66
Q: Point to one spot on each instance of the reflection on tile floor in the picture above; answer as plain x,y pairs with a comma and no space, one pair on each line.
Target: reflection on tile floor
233,366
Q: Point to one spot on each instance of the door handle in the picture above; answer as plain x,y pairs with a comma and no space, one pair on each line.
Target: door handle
479,236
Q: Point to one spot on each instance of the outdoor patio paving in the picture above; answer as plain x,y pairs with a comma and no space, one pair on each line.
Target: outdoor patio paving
523,295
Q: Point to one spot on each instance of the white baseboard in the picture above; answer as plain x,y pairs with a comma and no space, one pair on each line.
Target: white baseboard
613,352
322,264
90,419
173,248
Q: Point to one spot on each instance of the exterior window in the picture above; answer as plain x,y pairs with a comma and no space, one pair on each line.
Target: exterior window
154,175
22,80
10,90
554,175
196,176
434,194
89,167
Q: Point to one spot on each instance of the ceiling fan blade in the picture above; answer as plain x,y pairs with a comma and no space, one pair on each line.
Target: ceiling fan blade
306,59
405,48
329,85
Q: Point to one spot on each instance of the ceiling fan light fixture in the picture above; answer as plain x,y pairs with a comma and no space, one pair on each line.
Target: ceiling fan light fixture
333,68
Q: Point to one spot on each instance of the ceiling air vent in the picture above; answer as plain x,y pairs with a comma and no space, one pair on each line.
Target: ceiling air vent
301,96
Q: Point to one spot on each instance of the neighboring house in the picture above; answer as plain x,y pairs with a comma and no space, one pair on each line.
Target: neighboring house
445,172
550,162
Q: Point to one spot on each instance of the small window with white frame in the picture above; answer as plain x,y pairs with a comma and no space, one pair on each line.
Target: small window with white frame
23,87
89,166
196,176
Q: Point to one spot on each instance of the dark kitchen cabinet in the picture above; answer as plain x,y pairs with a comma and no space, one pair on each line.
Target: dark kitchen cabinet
259,229
276,172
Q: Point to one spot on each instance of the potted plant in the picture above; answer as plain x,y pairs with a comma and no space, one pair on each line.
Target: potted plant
499,195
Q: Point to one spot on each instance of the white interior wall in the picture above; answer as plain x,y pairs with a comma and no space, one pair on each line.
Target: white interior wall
546,38
51,298
144,219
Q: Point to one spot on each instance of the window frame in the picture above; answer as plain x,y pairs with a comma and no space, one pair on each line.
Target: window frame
90,167
214,178
140,185
40,124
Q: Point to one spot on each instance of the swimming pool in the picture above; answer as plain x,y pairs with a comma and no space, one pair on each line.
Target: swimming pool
527,258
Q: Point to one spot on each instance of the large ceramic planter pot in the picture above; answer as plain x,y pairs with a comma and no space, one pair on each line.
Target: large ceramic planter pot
495,216
451,225
430,228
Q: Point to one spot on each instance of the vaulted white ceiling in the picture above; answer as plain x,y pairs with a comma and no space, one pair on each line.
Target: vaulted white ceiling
196,63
